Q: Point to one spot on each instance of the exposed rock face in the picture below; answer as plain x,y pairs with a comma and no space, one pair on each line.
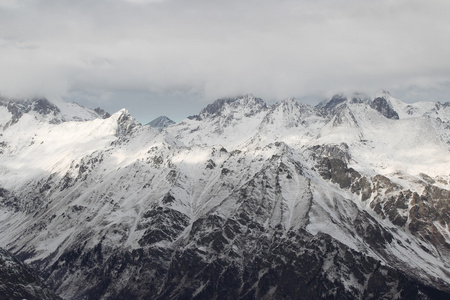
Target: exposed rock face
17,281
102,113
243,201
339,152
220,105
161,122
380,104
420,213
334,102
19,107
43,109
216,106
252,253
428,211
296,265
126,124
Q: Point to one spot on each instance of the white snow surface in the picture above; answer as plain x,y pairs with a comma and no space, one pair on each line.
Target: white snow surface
115,179
72,111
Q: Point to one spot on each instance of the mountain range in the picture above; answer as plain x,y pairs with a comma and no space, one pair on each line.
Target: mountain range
348,199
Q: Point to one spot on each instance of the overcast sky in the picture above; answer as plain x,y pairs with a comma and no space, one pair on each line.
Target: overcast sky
173,57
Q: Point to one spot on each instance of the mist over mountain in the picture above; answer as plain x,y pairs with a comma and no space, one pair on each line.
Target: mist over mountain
345,200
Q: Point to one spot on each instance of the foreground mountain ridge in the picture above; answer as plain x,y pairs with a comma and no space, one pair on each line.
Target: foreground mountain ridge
19,282
345,200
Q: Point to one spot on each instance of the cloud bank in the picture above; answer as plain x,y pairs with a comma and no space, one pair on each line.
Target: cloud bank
199,50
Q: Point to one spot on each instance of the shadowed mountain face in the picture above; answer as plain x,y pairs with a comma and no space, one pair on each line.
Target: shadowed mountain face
17,281
381,105
161,122
346,200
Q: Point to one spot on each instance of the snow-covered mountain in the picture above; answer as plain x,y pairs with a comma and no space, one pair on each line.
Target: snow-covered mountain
348,199
42,109
161,122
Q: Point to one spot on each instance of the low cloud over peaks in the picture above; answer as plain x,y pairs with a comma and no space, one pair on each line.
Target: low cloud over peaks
208,49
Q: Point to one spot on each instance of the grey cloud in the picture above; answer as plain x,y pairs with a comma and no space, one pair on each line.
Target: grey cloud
210,49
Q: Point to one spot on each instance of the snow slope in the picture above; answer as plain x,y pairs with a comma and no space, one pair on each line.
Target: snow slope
101,205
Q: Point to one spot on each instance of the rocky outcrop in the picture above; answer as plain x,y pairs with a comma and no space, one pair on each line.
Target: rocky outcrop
428,212
427,215
102,113
285,266
236,258
252,104
340,152
125,123
17,281
20,107
335,101
381,105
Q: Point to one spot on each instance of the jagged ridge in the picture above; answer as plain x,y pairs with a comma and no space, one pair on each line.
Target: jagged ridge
259,201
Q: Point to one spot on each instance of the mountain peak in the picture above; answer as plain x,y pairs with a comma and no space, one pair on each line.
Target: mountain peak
19,107
247,103
102,113
382,105
290,100
338,99
161,122
47,111
44,107
125,122
334,102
